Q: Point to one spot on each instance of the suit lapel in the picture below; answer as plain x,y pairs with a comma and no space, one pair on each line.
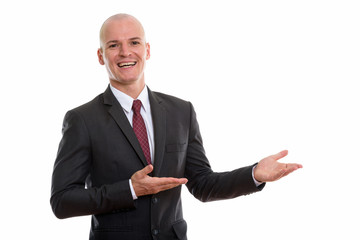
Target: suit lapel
159,121
117,113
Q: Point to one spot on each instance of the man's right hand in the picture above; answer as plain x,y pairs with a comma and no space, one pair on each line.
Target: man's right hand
143,184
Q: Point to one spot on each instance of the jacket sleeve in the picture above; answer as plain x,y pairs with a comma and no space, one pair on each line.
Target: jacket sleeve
70,195
207,185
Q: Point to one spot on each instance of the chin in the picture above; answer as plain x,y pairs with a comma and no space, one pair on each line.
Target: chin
127,81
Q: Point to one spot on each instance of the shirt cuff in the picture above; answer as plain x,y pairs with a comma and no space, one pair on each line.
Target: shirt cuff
256,182
133,191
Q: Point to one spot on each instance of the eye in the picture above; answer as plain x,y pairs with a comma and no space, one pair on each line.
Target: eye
135,43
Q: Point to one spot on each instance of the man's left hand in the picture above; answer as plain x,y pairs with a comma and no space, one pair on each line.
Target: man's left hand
269,169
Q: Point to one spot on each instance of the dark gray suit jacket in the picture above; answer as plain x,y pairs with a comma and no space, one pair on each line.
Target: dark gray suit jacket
99,153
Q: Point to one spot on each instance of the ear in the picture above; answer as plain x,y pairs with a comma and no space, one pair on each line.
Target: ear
147,51
100,56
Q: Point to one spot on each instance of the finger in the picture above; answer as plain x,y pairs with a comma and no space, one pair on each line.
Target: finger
280,154
293,166
289,169
169,186
162,184
166,181
182,180
146,170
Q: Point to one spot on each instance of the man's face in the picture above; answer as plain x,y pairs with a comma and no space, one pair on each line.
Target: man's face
124,51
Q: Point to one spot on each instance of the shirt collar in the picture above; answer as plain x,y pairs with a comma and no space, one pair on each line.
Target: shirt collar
126,101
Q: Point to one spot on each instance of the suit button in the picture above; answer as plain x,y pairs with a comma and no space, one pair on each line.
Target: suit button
155,232
154,200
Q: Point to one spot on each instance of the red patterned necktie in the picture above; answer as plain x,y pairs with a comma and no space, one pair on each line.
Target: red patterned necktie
140,130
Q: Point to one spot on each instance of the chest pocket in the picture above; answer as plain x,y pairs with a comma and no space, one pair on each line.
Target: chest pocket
176,147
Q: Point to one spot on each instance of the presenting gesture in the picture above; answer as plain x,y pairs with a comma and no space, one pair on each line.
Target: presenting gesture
269,169
145,185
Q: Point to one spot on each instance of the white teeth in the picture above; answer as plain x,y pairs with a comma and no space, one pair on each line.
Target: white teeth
125,65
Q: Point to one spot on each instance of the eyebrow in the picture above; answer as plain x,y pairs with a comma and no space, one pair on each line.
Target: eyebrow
130,39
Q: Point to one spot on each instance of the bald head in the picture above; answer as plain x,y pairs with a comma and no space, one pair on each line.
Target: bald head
115,21
124,52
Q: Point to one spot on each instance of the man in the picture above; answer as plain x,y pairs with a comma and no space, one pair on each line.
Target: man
123,161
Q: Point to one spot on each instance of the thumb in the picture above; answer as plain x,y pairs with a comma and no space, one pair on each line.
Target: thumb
148,169
280,154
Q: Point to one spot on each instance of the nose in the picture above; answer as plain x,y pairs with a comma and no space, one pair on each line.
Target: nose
124,51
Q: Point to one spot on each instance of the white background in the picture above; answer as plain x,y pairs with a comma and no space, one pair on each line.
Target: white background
285,72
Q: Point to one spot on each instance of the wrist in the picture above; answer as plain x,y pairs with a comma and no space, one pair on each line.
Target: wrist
132,190
257,183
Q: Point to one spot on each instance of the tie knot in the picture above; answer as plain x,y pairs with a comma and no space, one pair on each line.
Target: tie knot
136,106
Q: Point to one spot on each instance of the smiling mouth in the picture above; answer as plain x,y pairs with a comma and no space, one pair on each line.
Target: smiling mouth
126,65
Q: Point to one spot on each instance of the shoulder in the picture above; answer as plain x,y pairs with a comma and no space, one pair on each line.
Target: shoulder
97,104
169,100
90,106
87,112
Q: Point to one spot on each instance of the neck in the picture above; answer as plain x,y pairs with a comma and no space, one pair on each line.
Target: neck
132,90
